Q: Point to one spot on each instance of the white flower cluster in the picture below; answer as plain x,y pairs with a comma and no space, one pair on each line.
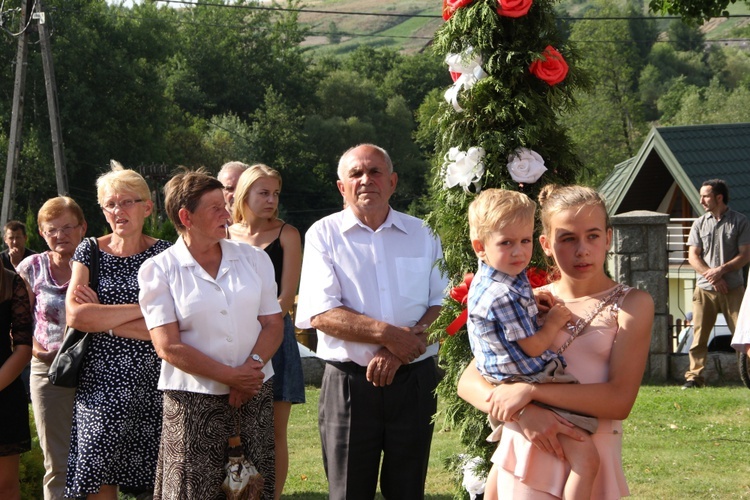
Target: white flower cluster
463,168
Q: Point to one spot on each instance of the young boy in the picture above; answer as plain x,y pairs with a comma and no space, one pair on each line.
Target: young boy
504,335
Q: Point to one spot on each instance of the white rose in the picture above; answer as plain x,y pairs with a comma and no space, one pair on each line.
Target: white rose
463,168
526,166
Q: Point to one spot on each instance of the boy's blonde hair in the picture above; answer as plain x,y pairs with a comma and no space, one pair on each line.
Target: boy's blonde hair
494,209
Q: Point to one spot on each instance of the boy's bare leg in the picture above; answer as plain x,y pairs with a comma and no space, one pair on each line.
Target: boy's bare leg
583,458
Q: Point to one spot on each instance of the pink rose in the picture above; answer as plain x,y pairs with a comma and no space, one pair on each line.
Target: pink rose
552,68
451,6
513,8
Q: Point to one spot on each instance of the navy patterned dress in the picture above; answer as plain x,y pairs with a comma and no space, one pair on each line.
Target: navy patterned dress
118,409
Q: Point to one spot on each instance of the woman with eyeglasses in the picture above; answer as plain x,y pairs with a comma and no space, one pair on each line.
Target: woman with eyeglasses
117,413
47,274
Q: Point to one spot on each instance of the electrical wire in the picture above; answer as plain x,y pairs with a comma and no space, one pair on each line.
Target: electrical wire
30,15
430,16
180,22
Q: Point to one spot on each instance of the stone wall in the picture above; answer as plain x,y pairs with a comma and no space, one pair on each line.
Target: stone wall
639,259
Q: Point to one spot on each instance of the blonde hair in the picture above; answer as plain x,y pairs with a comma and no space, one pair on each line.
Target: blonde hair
55,207
245,183
494,209
121,180
554,199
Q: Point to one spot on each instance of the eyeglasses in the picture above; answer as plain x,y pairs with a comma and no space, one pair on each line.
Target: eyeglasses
111,206
54,233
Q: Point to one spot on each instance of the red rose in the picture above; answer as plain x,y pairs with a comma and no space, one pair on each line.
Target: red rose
552,68
537,277
513,8
451,6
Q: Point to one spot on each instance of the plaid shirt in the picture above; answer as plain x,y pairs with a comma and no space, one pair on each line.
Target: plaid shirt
502,310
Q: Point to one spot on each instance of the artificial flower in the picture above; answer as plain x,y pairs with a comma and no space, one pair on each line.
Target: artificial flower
460,294
513,8
463,168
526,166
466,70
451,6
551,68
537,277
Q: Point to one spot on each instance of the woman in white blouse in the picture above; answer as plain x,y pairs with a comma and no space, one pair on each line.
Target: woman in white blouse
210,305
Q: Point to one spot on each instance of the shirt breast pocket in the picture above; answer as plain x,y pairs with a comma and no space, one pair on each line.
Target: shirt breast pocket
414,278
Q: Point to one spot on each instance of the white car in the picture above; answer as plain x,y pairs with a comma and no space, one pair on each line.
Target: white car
719,340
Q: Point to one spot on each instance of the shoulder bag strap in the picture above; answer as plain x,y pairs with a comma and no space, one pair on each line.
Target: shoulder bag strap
94,268
584,322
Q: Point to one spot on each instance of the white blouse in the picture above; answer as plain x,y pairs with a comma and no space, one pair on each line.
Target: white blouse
219,317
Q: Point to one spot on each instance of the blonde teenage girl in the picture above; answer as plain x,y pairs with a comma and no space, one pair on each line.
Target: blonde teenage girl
255,213
608,358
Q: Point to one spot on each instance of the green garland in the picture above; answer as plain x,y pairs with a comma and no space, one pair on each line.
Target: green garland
511,108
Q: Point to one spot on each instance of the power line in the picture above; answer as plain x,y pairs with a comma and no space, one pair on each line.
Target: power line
28,22
300,10
428,16
178,21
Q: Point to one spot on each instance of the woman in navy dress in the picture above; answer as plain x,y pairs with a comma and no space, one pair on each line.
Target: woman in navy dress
117,415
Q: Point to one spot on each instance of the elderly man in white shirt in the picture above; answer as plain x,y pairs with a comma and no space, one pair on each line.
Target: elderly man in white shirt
371,287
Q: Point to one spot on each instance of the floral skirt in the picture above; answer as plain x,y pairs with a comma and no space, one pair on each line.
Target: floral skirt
195,432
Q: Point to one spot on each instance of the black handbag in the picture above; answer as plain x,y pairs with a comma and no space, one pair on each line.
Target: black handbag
63,372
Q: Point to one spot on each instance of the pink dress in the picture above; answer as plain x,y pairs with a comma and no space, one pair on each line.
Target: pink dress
588,359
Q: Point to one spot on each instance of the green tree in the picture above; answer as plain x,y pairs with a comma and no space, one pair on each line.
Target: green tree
414,76
685,37
692,11
609,123
333,34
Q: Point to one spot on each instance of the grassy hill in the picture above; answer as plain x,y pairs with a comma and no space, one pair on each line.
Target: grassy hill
402,32
408,25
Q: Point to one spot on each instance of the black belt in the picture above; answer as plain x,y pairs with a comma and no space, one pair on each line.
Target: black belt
352,367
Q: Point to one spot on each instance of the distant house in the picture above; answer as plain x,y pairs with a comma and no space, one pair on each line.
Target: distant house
665,176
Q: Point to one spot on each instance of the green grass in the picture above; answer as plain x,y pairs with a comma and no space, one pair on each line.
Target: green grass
688,444
677,444
307,480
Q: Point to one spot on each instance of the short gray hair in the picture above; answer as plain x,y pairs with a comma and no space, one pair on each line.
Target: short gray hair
343,160
232,165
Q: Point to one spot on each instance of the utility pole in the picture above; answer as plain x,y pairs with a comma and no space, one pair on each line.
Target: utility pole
16,124
50,84
16,119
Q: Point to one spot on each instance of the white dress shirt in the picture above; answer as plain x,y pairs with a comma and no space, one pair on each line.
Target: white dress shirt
219,317
390,274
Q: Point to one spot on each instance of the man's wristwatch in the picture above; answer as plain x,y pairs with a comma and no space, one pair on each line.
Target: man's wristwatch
257,358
